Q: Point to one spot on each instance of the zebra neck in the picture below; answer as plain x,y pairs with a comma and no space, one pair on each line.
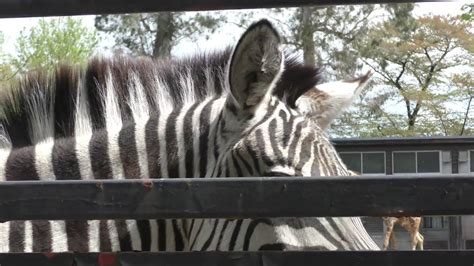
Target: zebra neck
167,145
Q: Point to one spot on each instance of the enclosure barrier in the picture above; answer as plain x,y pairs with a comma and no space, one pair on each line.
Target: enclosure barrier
238,197
32,8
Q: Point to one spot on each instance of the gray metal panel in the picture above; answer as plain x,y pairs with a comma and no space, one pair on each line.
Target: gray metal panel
22,8
237,197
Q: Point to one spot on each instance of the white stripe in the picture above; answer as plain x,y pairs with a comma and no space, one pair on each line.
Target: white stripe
44,160
305,237
28,237
140,142
113,235
5,237
59,236
162,143
196,137
114,154
4,153
40,113
154,235
113,121
181,143
132,228
227,236
137,99
218,232
93,232
83,156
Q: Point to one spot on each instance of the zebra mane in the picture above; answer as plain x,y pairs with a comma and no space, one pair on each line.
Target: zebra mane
72,100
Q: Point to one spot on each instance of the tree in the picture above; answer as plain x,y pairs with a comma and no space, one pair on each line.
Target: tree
325,35
51,42
155,34
415,59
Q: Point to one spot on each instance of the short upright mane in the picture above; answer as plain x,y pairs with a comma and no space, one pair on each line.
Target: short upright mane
136,86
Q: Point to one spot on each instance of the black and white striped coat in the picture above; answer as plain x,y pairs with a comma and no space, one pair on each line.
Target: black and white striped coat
216,115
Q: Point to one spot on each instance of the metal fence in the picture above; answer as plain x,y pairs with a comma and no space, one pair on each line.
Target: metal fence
238,197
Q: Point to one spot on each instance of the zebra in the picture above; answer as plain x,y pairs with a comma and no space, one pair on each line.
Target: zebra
231,113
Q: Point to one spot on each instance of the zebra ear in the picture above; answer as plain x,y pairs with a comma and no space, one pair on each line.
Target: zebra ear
255,66
328,101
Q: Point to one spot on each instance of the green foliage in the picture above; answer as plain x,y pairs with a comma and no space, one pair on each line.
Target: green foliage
156,33
5,70
468,12
61,40
416,70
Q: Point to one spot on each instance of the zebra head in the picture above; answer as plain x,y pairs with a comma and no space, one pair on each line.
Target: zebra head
264,132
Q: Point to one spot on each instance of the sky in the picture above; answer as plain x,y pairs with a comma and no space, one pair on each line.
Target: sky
11,28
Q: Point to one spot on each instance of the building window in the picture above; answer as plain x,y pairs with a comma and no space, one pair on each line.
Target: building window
416,162
435,222
364,162
469,244
471,156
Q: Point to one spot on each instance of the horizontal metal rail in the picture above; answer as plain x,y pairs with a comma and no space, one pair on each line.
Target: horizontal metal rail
32,8
237,197
267,258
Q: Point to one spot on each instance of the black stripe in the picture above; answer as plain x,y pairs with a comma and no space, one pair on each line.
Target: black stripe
17,236
41,236
104,237
274,246
161,235
77,236
305,152
191,226
221,235
125,239
262,148
250,230
287,127
253,156
210,236
152,147
244,161
172,144
235,234
145,234
66,81
336,228
128,152
95,87
188,138
99,155
21,165
236,164
65,163
204,127
294,142
121,78
178,237
324,231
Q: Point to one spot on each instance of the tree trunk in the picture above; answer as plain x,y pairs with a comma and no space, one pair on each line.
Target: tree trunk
165,32
307,37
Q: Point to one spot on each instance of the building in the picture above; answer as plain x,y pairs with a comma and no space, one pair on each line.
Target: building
408,157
